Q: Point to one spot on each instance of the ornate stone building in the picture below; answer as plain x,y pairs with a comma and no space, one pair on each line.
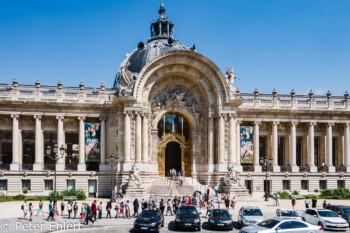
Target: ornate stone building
170,107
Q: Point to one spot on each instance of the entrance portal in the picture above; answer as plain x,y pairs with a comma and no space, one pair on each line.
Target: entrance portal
172,157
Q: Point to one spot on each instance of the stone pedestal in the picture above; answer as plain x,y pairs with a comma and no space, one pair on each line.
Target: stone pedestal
81,167
295,168
37,167
347,168
236,191
331,169
257,168
276,168
238,168
60,167
133,192
313,169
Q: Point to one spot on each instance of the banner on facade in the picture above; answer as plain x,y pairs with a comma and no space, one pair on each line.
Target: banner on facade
92,142
247,146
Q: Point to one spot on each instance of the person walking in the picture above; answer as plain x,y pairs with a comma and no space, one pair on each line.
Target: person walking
24,209
51,214
117,209
40,210
99,209
75,208
136,205
314,202
94,210
216,189
62,207
127,209
324,204
168,208
277,199
30,211
89,215
210,208
69,208
82,210
227,203
233,202
108,209
55,210
293,202
307,202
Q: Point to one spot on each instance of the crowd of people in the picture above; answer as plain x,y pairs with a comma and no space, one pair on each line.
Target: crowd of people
125,209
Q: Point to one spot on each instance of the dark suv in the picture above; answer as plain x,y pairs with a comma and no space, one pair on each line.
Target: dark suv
188,217
149,220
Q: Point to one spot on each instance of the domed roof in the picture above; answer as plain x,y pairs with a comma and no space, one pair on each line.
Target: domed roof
161,41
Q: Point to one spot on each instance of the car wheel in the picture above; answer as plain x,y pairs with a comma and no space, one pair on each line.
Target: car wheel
320,224
199,228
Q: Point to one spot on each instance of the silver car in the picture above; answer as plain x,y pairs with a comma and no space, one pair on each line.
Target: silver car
286,213
282,225
249,215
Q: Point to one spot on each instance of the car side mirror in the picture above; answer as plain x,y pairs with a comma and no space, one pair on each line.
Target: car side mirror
200,213
278,228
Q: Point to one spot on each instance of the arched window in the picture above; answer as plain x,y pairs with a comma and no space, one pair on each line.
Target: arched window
173,123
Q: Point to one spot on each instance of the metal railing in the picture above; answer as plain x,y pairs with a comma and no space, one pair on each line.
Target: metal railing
49,167
4,166
248,168
340,169
92,167
286,169
27,167
322,169
304,169
72,167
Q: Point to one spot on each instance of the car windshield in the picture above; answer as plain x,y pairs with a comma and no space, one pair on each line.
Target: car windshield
346,211
220,213
148,215
327,214
187,211
289,213
252,212
268,223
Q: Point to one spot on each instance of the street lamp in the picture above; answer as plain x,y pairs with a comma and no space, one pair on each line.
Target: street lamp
266,161
55,158
113,160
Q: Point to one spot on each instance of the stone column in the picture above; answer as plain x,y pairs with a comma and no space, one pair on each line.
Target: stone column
60,140
276,167
210,143
138,138
81,164
127,137
145,138
329,146
38,164
103,165
311,147
221,142
347,147
238,166
15,143
257,167
293,147
232,140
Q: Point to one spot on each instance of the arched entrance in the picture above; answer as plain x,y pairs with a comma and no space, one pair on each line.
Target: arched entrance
172,157
174,144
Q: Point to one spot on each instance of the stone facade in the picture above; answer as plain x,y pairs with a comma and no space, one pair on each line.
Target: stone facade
307,136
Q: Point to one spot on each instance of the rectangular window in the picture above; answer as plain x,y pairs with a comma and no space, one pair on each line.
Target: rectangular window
335,151
28,146
48,184
72,150
299,151
50,139
317,152
340,184
323,184
280,151
70,184
304,185
262,146
25,184
5,147
3,185
286,184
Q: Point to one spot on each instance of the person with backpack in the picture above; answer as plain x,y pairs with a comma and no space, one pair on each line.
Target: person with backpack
24,209
108,209
41,204
69,208
117,209
89,215
51,214
94,210
75,208
136,208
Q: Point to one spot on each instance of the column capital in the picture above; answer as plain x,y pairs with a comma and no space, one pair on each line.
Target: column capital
13,116
59,117
145,114
37,116
312,123
346,124
294,123
275,123
257,123
103,118
233,115
129,113
330,124
81,118
239,121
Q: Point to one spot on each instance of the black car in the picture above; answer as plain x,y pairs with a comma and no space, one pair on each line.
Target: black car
343,211
220,219
188,217
149,220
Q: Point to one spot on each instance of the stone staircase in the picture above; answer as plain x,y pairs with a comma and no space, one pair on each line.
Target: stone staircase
164,186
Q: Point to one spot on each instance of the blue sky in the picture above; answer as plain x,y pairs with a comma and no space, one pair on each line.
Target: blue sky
280,44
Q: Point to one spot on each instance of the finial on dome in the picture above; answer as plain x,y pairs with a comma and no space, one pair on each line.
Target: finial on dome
161,11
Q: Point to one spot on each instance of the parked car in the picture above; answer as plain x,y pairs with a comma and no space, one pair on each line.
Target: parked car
282,225
188,217
286,213
343,211
326,219
249,215
149,220
220,219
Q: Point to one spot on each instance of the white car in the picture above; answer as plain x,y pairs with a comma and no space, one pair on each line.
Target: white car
326,219
286,213
282,225
249,215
